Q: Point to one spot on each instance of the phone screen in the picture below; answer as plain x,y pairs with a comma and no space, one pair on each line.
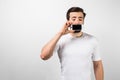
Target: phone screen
77,28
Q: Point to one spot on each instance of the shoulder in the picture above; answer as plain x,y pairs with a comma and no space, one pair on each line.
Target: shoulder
64,39
87,35
92,38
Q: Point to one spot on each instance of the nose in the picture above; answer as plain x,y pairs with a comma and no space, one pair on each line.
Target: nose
76,21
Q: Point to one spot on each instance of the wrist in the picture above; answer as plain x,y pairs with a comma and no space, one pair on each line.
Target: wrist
60,33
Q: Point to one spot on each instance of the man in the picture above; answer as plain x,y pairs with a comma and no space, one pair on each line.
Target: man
76,50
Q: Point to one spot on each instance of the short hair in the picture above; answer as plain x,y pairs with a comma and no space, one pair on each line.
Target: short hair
74,9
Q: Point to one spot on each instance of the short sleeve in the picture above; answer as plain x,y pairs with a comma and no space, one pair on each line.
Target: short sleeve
96,52
57,47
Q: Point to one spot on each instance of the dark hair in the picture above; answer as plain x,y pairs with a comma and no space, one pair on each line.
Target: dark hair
74,9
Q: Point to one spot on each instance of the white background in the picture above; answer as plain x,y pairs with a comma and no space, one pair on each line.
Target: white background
26,25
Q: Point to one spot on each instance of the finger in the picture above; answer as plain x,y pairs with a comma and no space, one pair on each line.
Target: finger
68,23
71,31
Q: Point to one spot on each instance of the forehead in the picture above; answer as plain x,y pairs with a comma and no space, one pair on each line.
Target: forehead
76,14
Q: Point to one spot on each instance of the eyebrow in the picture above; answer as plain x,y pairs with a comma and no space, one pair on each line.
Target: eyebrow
78,17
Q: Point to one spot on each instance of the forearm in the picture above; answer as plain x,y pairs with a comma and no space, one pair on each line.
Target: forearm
99,73
48,49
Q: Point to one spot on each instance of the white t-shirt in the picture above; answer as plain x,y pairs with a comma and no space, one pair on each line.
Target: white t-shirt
76,55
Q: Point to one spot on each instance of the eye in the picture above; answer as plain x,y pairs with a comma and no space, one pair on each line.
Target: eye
80,19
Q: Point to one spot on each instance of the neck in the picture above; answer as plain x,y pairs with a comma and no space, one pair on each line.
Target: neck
77,34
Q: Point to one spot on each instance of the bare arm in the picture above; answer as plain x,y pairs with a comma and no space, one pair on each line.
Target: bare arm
47,50
98,70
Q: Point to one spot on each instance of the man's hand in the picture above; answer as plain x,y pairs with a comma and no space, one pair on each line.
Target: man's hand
65,30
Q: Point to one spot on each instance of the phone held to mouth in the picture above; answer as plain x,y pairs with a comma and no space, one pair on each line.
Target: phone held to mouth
76,27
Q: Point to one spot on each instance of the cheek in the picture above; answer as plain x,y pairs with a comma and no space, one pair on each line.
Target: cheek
81,21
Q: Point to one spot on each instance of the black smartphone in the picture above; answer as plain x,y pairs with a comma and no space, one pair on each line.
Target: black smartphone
77,28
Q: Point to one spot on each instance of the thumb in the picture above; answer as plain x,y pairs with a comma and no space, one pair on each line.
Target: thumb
71,31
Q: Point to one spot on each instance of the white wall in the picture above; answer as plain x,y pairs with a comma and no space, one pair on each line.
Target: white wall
26,25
